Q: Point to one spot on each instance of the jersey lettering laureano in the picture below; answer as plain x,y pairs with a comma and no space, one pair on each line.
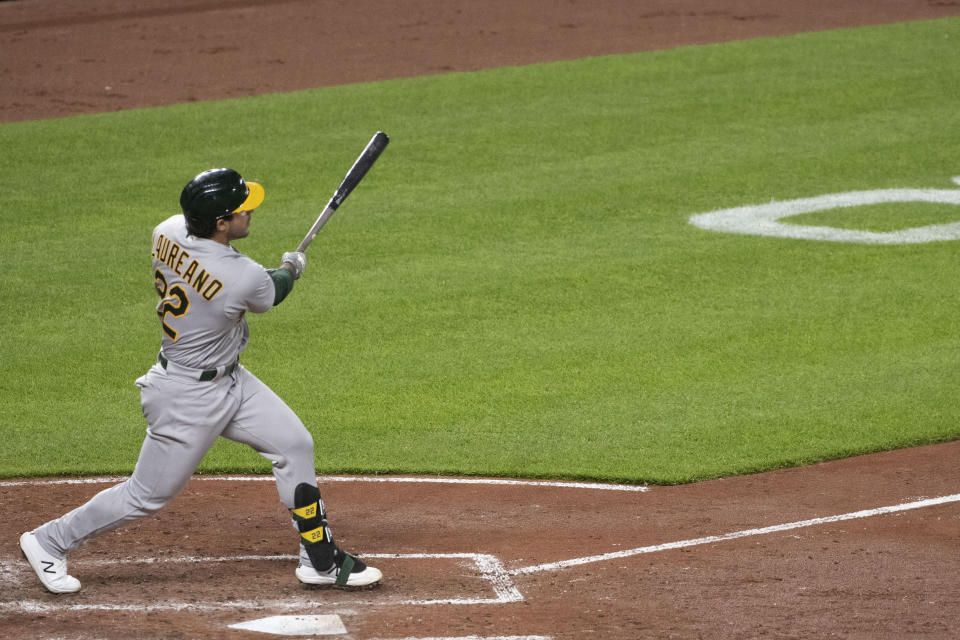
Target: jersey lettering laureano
173,255
205,289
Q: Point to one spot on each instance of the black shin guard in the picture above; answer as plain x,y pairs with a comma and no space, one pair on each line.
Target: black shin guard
311,519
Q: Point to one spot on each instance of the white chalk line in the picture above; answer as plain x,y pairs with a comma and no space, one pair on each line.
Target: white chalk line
598,486
37,606
865,513
489,567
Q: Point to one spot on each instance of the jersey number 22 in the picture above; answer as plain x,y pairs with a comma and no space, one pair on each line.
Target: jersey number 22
175,302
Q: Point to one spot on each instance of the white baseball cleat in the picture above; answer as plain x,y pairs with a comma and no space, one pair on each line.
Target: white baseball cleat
51,570
352,573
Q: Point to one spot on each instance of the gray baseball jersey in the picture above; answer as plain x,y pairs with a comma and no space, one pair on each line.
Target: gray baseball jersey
205,289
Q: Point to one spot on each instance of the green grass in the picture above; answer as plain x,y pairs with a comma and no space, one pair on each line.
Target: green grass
881,218
514,289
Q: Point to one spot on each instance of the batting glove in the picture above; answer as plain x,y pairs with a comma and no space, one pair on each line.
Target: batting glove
296,259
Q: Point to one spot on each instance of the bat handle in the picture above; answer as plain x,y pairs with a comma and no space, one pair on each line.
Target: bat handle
306,242
315,229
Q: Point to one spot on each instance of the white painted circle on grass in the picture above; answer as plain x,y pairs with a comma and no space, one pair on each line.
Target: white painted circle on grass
764,219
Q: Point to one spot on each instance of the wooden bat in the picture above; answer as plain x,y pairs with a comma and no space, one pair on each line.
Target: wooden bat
359,169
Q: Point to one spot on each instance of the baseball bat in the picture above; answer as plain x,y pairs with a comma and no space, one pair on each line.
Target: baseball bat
359,169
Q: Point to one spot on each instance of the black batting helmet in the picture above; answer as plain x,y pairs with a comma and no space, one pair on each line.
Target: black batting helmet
216,194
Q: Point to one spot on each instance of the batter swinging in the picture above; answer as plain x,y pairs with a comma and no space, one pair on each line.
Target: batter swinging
197,391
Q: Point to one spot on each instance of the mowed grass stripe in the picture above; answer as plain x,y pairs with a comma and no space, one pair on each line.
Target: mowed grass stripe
514,289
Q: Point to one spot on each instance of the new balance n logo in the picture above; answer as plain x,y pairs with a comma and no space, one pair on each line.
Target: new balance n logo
47,566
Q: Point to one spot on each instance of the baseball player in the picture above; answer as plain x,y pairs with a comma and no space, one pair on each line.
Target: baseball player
198,391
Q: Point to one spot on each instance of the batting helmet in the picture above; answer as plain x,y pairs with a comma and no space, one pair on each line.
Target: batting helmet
216,194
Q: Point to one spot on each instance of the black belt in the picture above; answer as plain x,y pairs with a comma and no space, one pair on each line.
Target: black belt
203,376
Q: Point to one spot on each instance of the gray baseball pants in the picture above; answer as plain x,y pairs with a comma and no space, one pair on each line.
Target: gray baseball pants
184,419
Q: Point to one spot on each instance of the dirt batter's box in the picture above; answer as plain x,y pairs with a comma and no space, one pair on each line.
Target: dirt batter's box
441,579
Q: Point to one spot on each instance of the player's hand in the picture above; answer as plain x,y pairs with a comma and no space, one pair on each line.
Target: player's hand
297,260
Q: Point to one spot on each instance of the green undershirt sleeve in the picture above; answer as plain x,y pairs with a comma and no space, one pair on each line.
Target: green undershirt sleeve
282,283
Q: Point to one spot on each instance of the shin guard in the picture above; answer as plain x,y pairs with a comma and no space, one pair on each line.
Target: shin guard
311,519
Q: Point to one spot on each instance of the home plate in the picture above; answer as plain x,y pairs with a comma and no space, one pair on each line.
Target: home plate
327,625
